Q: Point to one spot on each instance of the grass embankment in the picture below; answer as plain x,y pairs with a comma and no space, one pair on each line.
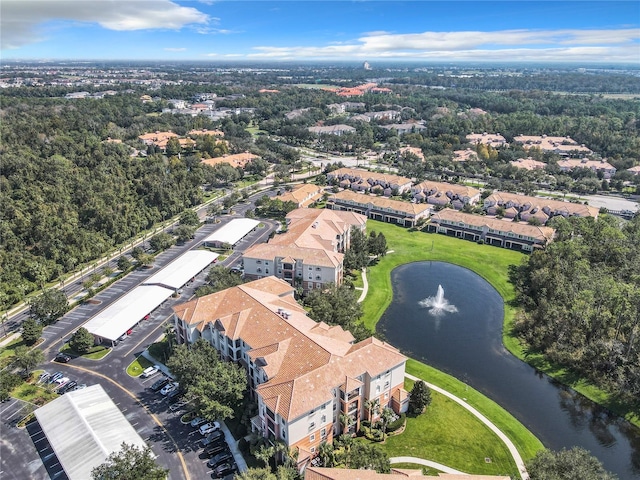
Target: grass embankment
136,367
97,352
492,264
452,436
489,262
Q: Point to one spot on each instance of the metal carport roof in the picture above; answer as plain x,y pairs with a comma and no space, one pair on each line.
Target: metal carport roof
182,269
84,427
232,232
127,311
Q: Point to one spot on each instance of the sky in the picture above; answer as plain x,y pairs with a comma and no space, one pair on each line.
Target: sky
375,30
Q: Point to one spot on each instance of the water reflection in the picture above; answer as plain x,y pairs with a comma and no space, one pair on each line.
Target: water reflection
471,349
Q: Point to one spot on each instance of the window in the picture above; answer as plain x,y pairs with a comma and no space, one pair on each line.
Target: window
323,433
318,277
312,437
312,449
378,389
335,406
266,270
386,385
259,270
259,262
323,419
318,269
386,395
284,434
312,425
310,268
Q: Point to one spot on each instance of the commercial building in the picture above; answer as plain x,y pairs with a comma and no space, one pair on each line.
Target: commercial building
379,208
83,428
305,375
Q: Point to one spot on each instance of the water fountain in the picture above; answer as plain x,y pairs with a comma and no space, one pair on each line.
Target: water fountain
438,305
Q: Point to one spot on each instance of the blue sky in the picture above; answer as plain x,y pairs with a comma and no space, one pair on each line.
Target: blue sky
498,31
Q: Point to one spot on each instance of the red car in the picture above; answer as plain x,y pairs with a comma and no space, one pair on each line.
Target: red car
129,332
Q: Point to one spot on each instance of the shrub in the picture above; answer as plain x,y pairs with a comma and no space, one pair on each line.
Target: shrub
396,424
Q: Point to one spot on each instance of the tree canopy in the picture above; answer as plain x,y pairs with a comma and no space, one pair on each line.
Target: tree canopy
214,388
581,301
49,306
567,465
130,463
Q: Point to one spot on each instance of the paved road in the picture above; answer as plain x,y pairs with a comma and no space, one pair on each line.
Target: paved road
25,454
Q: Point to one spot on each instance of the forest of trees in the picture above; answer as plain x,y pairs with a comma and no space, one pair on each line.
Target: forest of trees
581,301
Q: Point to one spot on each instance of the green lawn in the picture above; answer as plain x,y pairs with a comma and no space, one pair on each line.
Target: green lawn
489,262
97,352
136,367
448,434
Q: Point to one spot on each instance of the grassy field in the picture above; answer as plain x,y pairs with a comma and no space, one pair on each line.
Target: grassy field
448,434
489,262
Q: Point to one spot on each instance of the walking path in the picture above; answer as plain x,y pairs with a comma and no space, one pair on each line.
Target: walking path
512,448
365,285
426,463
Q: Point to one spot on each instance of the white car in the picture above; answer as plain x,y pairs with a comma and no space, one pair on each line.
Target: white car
149,371
207,428
167,389
196,422
60,382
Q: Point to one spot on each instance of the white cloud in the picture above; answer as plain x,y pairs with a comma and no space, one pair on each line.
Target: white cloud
175,49
614,45
21,19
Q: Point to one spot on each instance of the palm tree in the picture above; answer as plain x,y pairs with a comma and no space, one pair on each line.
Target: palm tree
326,455
373,407
385,418
347,422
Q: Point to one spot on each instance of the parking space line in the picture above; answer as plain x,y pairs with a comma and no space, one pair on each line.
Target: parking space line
11,405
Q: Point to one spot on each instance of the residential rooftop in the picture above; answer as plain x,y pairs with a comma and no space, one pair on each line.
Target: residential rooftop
381,202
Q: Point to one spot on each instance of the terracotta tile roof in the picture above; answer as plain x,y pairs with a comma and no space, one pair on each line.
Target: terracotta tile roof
547,143
572,163
415,150
492,139
543,234
204,131
315,387
313,256
465,155
317,228
236,160
528,163
380,202
303,195
455,189
157,137
579,209
317,473
356,173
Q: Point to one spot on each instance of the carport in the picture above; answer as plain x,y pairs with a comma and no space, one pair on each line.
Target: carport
182,270
231,233
83,428
126,312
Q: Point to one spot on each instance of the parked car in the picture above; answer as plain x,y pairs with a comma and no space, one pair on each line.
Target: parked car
55,377
81,386
207,428
122,337
168,388
225,469
175,395
216,448
60,382
219,459
67,387
44,376
196,422
217,436
158,384
178,406
150,371
62,358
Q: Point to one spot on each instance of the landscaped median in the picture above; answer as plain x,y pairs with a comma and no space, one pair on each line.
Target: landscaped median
442,444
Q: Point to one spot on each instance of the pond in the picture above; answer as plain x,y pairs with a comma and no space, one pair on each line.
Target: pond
458,329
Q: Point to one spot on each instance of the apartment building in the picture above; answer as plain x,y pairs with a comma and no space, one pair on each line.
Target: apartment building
527,207
379,208
599,166
365,181
494,140
303,195
310,253
565,146
493,231
442,193
304,375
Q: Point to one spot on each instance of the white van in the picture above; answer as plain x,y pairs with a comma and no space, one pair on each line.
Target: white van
149,371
